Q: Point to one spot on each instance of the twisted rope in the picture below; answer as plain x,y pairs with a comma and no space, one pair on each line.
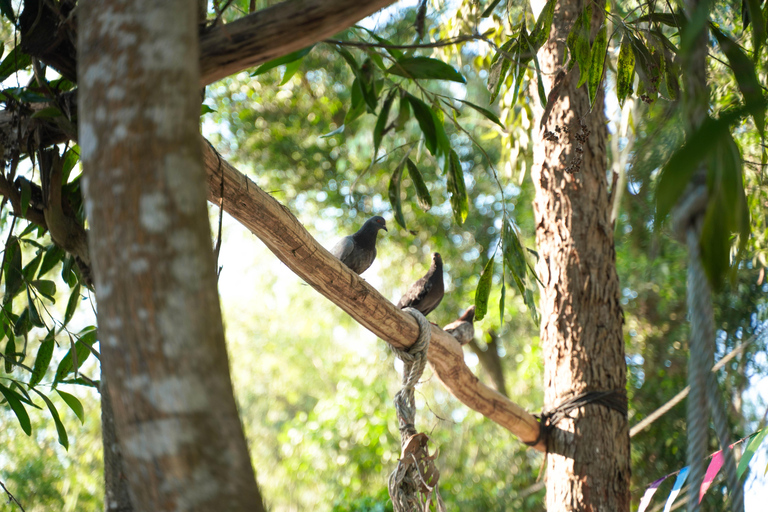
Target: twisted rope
415,473
704,392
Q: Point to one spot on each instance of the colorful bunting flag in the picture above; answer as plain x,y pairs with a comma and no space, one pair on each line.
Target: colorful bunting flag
752,447
646,499
755,440
714,466
681,476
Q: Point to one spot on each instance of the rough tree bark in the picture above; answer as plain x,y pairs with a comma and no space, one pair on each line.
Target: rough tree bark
581,317
159,319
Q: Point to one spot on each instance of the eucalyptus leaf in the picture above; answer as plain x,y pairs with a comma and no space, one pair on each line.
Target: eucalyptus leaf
746,77
422,192
599,51
394,193
73,403
425,68
457,188
285,59
43,359
426,122
62,432
483,291
14,400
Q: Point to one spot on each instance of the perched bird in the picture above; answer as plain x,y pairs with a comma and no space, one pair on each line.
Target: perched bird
427,292
463,329
359,250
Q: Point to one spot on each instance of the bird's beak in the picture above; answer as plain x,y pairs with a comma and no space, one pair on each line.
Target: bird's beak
385,228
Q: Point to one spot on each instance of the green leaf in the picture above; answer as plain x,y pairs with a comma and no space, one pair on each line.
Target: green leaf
483,291
758,26
487,113
43,359
13,275
73,403
381,122
679,169
30,269
539,81
13,62
426,68
443,143
404,113
14,400
599,50
578,42
501,299
715,244
72,303
647,68
67,274
63,439
746,78
676,20
357,107
422,192
46,288
71,157
7,9
457,188
752,447
66,366
285,59
500,66
53,255
488,10
48,113
21,327
34,316
514,255
394,194
423,115
540,33
10,354
204,109
364,77
290,69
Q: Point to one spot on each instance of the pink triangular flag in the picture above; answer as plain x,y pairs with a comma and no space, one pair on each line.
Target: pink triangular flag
649,492
714,466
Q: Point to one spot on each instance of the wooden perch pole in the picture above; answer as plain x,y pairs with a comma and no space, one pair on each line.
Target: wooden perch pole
284,235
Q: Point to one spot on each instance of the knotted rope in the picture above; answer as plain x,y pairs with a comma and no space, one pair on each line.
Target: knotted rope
411,484
704,396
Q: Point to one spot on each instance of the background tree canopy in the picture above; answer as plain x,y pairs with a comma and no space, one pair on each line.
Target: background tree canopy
423,113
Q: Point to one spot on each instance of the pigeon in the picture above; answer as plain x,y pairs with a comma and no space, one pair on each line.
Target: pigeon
359,250
427,292
463,329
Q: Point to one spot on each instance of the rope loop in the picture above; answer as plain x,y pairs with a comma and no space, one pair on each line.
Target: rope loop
415,478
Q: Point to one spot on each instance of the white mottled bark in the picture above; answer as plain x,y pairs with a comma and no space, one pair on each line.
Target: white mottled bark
160,324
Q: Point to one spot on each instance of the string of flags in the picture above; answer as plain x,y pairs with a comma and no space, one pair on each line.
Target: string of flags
715,463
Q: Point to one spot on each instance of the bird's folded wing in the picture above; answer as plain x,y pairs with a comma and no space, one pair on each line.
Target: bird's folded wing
343,248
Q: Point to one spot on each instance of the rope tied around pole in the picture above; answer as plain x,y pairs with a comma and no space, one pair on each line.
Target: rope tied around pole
615,399
687,221
415,478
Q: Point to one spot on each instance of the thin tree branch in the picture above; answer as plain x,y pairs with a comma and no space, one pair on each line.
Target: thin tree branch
260,37
284,235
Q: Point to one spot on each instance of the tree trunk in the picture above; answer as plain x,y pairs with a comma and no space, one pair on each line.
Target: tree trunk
160,324
581,318
116,493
